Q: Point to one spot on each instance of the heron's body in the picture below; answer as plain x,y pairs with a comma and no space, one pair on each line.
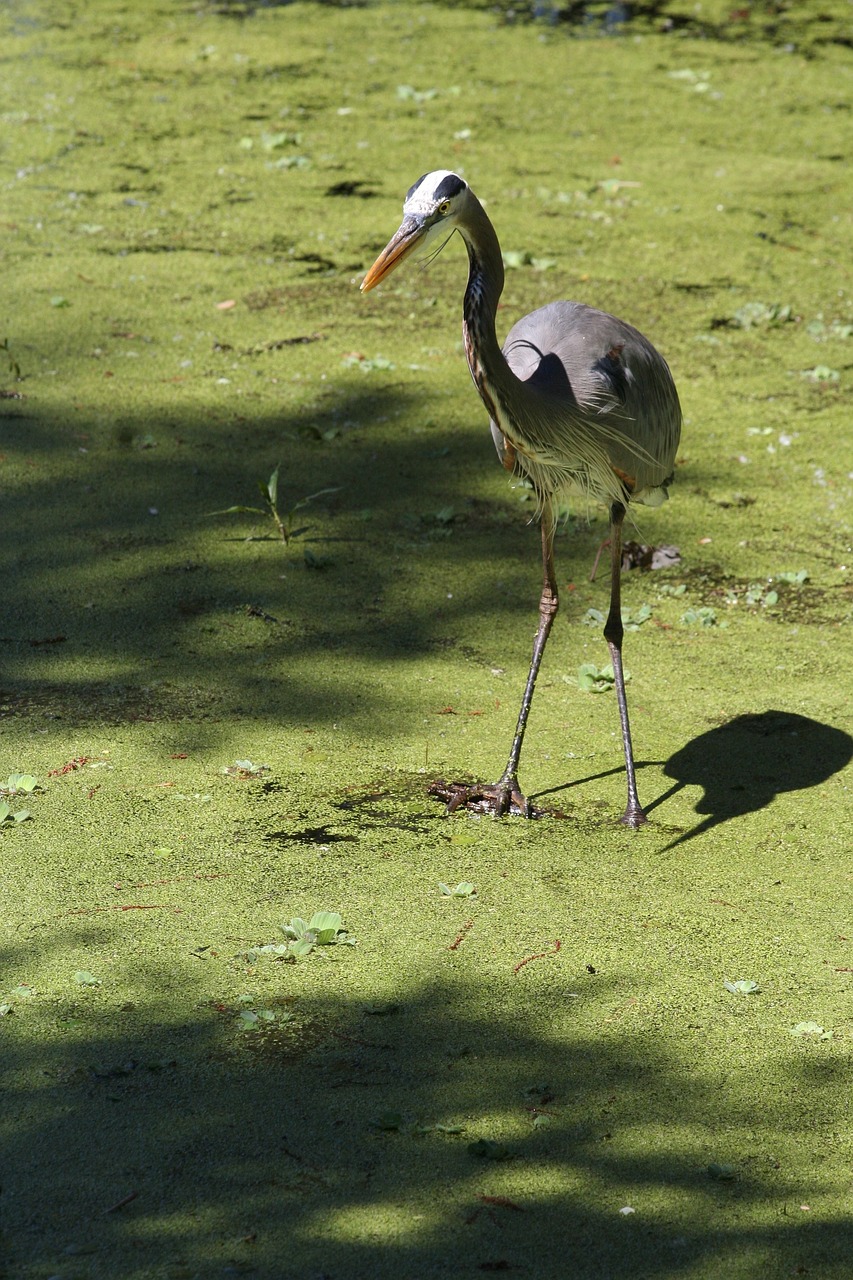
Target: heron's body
579,402
598,400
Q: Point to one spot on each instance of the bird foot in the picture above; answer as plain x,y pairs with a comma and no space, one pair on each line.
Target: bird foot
634,817
495,798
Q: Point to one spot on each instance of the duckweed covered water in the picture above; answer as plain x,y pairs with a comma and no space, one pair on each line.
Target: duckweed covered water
231,732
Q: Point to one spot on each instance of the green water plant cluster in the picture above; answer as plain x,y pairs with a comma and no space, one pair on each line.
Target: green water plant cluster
16,784
465,889
632,620
591,679
324,929
250,1018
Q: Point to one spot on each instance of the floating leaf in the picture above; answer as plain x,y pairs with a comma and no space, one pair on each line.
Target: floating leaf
811,1029
756,314
25,782
272,141
465,889
245,769
742,987
302,947
590,680
821,373
703,617
326,925
795,578
722,1172
86,979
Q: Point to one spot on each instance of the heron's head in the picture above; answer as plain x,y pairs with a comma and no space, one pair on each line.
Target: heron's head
430,214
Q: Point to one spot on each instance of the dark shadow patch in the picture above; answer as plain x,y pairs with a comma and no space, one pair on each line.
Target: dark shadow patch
352,187
743,765
310,835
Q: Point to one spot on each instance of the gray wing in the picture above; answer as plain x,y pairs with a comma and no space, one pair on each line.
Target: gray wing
594,395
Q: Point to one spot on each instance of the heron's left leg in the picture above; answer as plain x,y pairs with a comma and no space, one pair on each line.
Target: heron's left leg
613,632
505,795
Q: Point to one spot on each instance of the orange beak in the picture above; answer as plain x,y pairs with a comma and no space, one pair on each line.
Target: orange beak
398,248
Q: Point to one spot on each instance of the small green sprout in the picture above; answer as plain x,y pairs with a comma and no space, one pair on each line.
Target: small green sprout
742,987
793,578
86,979
284,523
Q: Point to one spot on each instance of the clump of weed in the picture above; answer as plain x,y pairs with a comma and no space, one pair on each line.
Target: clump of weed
285,522
16,784
324,929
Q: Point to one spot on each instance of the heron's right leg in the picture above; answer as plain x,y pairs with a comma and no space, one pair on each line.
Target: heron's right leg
505,795
634,815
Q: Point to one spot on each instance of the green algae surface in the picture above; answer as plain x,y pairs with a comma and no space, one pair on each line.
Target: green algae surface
546,1076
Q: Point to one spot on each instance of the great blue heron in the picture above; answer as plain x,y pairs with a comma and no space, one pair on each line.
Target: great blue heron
579,402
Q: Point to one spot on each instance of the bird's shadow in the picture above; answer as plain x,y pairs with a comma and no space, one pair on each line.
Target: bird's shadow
744,764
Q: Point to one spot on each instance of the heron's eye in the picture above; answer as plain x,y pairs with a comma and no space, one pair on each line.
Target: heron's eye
444,207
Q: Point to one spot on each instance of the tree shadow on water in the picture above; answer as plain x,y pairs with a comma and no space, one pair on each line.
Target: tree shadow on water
352,1141
744,764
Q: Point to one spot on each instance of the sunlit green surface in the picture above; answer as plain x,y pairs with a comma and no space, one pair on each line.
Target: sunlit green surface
159,162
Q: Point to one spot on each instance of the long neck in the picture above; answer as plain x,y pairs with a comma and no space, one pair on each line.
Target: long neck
489,369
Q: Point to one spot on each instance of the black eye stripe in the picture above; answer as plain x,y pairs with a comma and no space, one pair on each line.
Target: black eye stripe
448,187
